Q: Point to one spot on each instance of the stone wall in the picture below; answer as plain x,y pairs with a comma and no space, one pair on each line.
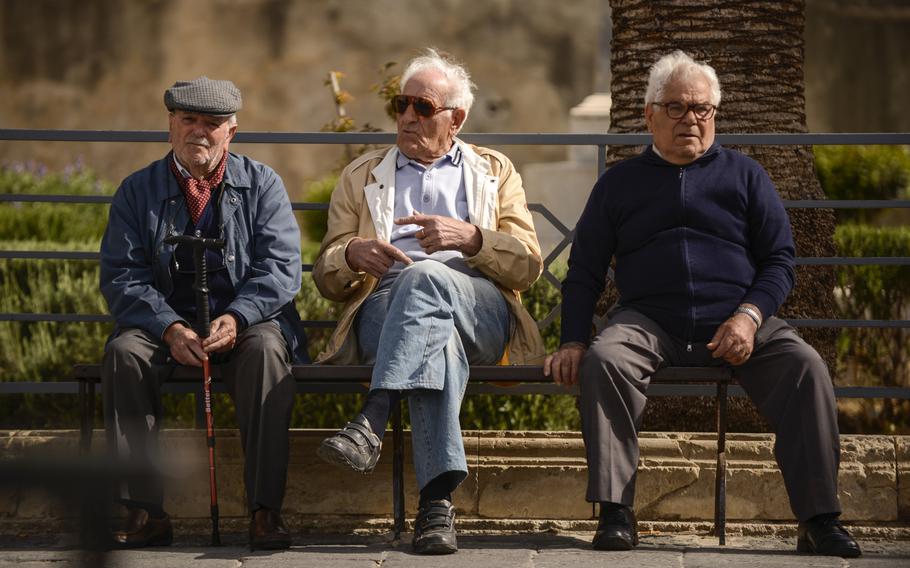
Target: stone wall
104,64
517,479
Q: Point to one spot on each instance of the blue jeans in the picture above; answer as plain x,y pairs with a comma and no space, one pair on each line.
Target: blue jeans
420,333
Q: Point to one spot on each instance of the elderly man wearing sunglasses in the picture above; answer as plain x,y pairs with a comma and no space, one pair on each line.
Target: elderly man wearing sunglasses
429,244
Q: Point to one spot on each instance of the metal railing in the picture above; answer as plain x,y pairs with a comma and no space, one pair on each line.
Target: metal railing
600,141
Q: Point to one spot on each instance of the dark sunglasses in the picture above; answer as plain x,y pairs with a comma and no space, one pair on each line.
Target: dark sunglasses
422,106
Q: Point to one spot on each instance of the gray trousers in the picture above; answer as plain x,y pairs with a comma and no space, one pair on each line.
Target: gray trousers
258,374
785,378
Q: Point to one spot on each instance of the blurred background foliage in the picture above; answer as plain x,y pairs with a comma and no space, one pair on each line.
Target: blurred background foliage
870,356
865,172
47,350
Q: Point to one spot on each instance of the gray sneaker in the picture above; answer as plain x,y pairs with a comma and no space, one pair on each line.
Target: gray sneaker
354,446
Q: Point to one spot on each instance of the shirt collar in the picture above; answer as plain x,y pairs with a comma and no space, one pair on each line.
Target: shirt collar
454,156
656,151
234,174
183,171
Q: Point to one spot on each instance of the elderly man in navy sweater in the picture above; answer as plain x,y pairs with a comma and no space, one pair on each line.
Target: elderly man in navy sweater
704,258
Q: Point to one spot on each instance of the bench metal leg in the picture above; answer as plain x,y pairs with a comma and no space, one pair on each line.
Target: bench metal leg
720,481
87,415
397,471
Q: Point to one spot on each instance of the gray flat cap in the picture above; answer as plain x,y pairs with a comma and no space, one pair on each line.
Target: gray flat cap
205,96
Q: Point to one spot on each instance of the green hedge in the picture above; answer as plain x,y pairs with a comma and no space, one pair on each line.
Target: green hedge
60,222
869,356
863,172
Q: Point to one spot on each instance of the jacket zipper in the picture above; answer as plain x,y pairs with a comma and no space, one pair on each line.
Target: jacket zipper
690,324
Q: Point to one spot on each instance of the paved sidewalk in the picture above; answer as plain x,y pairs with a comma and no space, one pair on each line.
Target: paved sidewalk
531,551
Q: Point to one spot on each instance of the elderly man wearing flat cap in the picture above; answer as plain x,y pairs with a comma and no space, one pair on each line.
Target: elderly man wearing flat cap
201,189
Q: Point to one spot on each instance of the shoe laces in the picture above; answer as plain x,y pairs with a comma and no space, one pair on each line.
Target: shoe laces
830,522
614,515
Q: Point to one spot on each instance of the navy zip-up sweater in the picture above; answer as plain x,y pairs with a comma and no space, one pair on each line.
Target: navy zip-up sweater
691,243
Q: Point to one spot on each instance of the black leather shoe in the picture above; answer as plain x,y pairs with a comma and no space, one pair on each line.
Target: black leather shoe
355,446
142,530
617,529
823,534
434,529
267,531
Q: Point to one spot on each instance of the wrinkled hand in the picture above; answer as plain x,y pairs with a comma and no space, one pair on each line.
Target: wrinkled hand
563,365
373,256
734,340
222,334
186,347
444,233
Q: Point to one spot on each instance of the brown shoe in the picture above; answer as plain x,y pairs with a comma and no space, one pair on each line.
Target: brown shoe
142,530
267,531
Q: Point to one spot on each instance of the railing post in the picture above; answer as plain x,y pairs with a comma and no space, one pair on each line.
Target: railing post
720,480
397,471
86,393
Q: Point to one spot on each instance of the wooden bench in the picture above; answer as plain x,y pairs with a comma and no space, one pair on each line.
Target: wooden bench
514,379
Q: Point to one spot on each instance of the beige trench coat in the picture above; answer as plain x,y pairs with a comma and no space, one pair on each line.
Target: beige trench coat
362,205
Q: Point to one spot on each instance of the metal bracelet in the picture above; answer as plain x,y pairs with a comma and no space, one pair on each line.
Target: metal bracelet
749,312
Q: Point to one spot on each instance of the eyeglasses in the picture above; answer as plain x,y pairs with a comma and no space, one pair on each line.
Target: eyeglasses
676,110
422,106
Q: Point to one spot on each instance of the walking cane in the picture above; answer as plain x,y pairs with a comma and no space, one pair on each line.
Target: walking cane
203,328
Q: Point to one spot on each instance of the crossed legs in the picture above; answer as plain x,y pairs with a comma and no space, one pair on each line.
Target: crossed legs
421,333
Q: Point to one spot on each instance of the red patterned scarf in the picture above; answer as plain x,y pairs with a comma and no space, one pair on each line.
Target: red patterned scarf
197,192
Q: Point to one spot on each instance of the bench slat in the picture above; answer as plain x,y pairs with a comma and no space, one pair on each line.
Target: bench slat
479,373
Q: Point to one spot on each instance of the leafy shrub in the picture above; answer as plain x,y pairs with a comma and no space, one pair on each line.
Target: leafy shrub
35,351
314,224
60,222
870,356
863,172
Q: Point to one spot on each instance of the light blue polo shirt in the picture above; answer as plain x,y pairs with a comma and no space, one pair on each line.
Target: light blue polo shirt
437,189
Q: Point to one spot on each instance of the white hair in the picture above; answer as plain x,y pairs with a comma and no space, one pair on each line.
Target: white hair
461,87
678,65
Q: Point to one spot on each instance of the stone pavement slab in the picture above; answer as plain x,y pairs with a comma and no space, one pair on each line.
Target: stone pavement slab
523,551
